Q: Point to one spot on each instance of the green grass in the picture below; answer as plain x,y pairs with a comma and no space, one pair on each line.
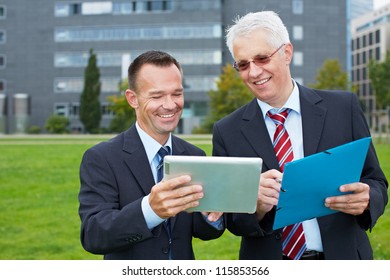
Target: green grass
39,185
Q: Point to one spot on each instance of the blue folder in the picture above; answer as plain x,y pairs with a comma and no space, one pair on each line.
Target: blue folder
308,181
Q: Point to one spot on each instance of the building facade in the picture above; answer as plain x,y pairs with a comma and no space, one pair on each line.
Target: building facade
370,40
44,48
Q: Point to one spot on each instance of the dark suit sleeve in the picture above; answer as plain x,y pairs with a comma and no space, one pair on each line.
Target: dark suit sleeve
372,174
237,223
105,226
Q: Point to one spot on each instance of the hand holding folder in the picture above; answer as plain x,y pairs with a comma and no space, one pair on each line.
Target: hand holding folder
309,181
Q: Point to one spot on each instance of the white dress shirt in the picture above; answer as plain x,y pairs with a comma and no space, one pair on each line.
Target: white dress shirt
151,147
293,125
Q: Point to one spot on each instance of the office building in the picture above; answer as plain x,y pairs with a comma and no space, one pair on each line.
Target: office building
44,48
370,40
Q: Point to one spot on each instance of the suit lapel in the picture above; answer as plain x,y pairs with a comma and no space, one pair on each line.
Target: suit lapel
137,160
255,131
313,117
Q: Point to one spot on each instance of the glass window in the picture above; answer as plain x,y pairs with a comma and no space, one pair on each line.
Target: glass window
75,9
61,10
297,32
297,7
114,59
61,109
370,39
122,8
2,36
2,61
298,59
2,86
74,109
377,53
3,11
86,34
377,36
96,8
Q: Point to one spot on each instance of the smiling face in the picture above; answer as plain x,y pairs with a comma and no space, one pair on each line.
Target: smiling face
271,82
158,100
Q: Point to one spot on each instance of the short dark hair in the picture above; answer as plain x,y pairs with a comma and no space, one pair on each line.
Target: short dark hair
157,58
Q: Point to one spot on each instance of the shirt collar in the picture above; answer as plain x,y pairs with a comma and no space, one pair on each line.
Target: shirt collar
291,103
151,146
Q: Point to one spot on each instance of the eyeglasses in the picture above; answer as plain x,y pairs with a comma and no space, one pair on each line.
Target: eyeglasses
258,60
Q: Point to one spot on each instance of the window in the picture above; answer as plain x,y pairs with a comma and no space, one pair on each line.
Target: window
2,36
96,8
298,59
74,109
75,9
2,61
297,7
298,32
3,12
61,109
124,33
377,53
377,36
2,86
61,10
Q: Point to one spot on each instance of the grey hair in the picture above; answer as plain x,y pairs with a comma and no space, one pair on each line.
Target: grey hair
266,20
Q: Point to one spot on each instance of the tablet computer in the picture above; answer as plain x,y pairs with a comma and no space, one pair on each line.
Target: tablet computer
230,184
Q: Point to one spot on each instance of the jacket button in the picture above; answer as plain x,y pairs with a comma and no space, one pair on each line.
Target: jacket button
165,250
278,235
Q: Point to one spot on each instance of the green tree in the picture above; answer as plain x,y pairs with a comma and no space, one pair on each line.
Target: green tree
90,110
379,74
124,115
230,95
330,76
57,124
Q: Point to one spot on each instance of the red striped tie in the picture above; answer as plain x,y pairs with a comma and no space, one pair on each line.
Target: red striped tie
294,243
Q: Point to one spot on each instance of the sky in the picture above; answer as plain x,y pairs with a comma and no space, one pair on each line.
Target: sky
380,3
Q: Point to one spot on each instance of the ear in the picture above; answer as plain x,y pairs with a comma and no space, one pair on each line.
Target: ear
132,98
288,53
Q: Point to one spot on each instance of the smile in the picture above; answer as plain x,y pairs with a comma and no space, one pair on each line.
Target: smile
263,81
166,116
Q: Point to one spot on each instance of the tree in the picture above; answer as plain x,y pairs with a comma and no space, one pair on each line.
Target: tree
124,115
90,110
330,76
379,74
230,95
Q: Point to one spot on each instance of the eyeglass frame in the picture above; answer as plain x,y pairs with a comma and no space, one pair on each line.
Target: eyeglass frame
266,60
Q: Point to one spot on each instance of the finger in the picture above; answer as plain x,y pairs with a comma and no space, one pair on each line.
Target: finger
214,216
354,208
174,182
355,187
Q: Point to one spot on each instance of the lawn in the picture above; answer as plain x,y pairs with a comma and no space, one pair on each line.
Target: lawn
39,185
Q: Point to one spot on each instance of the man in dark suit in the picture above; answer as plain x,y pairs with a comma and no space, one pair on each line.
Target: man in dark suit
316,121
126,213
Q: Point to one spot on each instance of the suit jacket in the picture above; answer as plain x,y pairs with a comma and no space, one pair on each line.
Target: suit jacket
329,119
115,176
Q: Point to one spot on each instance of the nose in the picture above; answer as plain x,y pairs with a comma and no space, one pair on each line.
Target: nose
254,70
169,103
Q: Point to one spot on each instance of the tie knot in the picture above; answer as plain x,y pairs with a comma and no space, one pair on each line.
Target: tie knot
164,151
280,117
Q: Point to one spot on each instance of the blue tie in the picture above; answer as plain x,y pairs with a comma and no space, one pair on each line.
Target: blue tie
160,168
160,174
